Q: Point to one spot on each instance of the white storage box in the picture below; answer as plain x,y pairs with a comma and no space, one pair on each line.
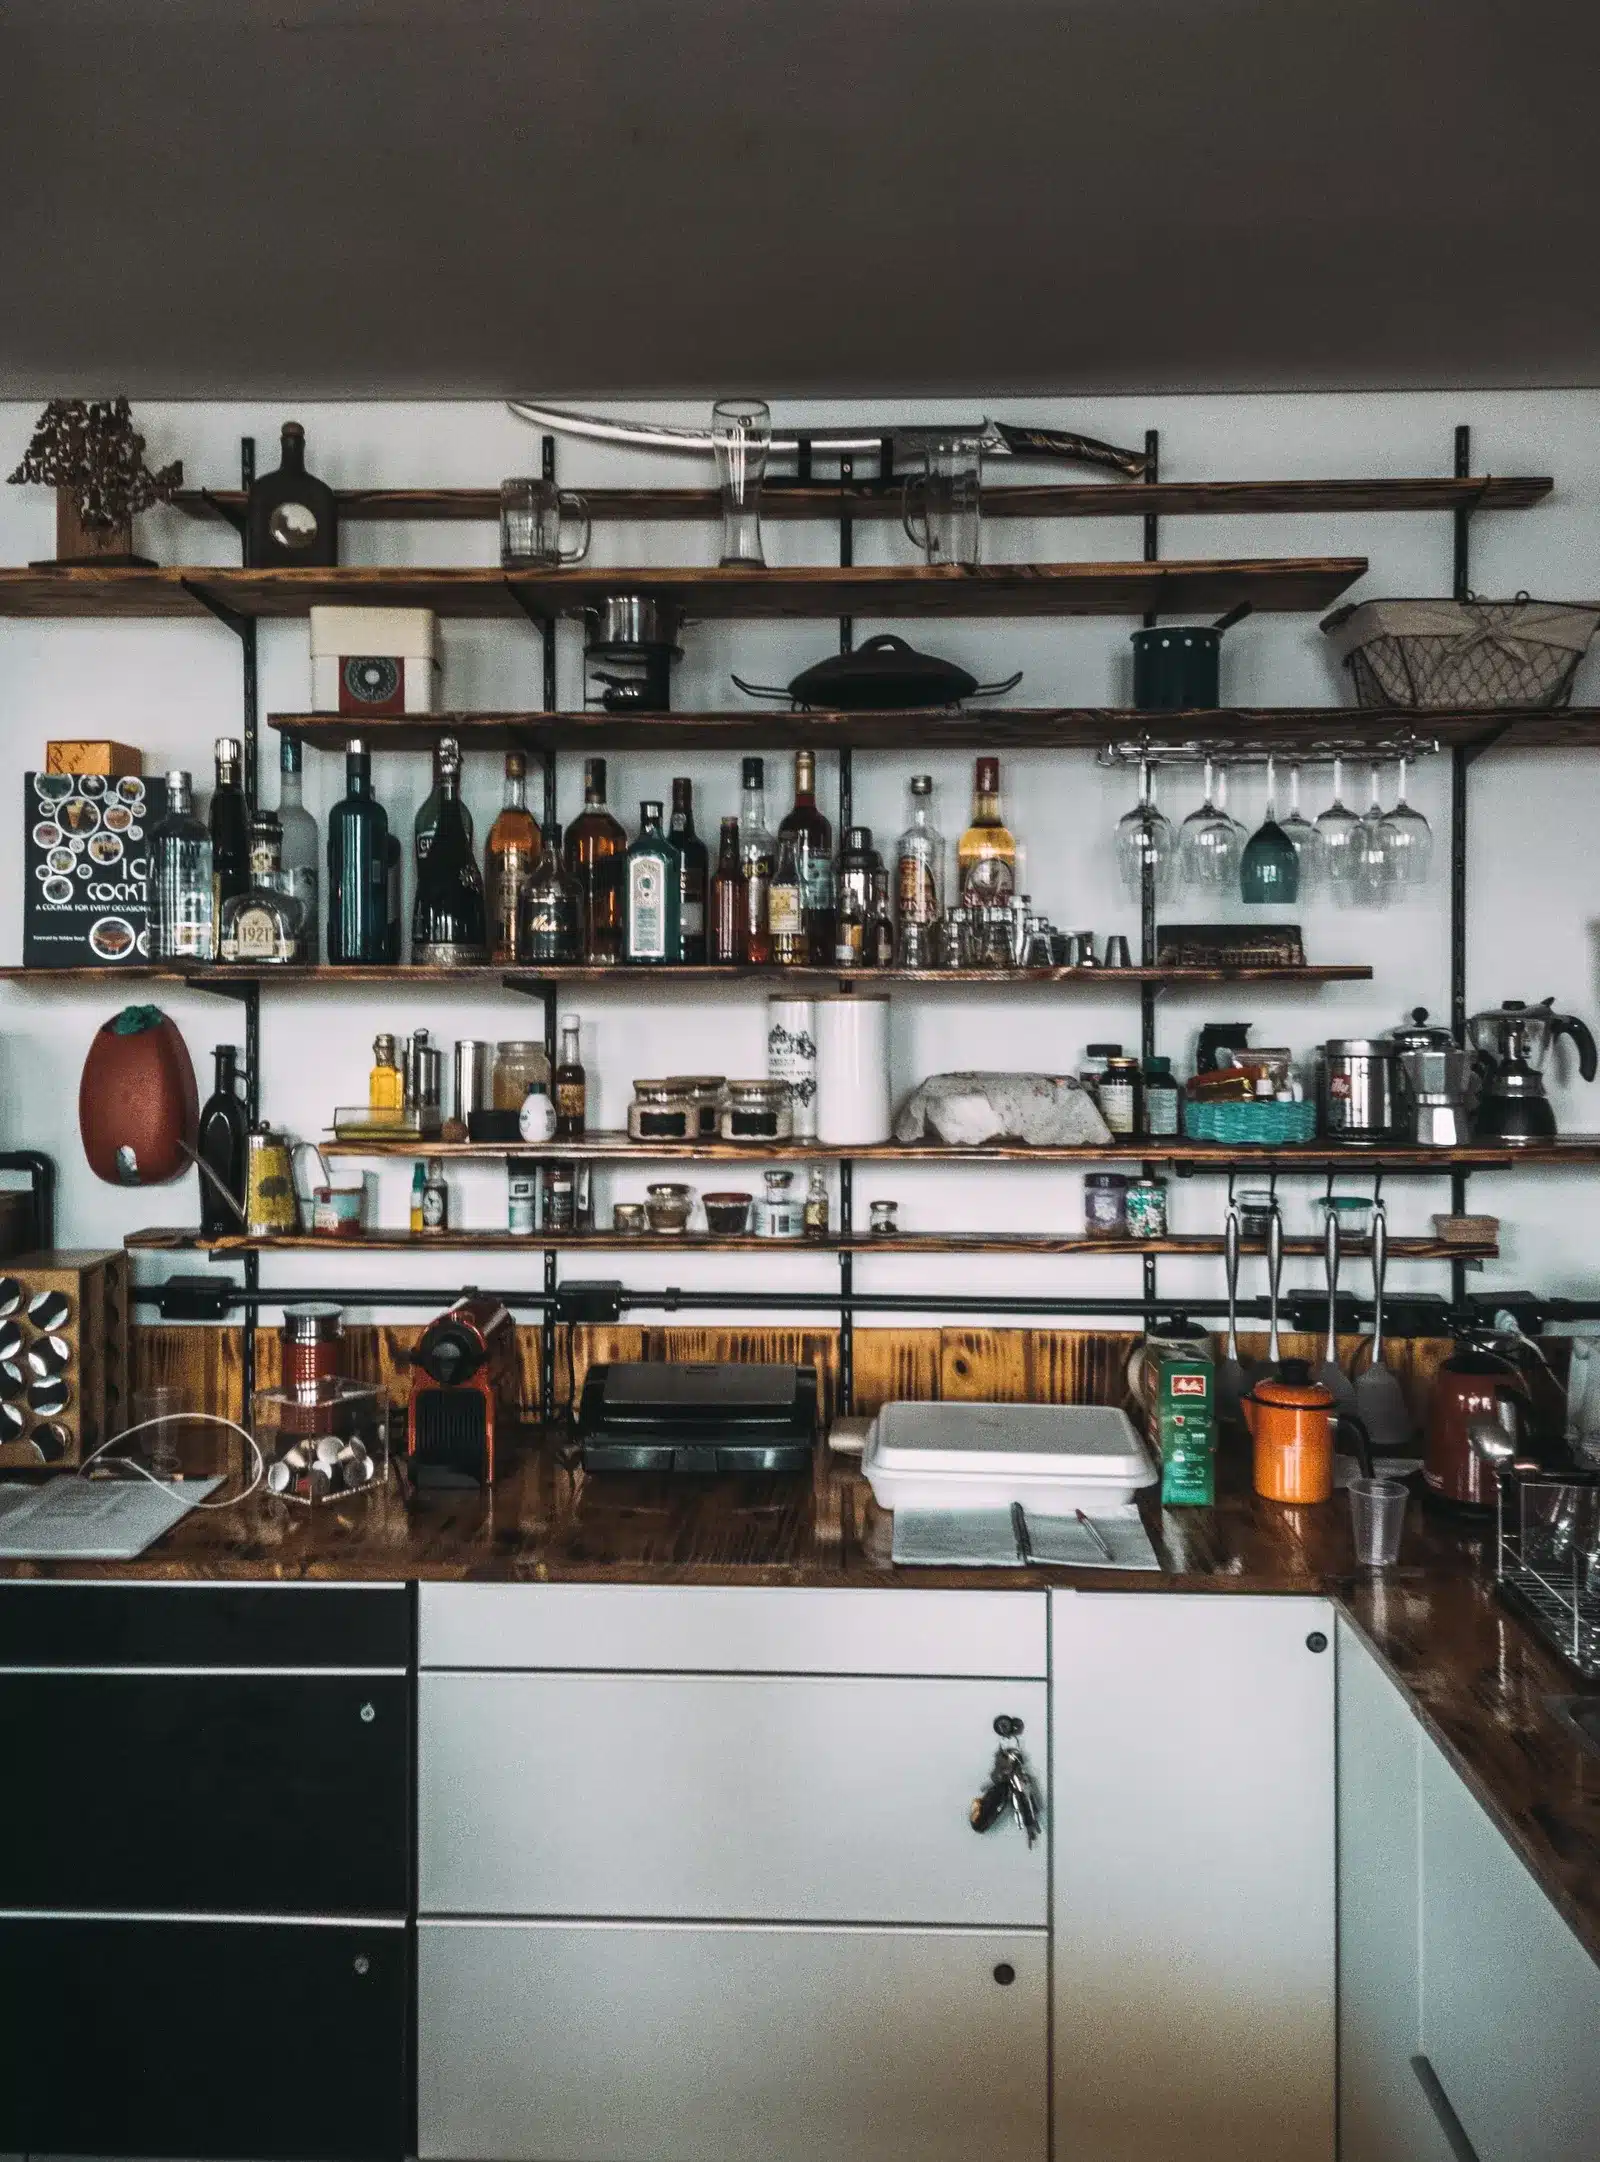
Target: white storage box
374,662
1053,1458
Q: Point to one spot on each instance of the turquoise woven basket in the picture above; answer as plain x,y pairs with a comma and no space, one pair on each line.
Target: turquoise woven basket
1240,1124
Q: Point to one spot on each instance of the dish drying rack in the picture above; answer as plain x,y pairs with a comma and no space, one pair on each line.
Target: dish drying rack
1547,1563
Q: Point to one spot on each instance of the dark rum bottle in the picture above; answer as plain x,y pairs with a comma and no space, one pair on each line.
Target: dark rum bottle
595,848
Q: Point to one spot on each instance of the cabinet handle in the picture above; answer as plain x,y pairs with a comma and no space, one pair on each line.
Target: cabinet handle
369,1712
361,1963
1005,1974
1439,2102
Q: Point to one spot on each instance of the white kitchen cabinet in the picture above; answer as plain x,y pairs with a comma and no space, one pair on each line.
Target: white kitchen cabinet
721,1797
1384,2115
626,2042
1193,1897
1510,1998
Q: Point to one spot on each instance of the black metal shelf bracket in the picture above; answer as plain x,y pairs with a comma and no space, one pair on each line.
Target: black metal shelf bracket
1147,873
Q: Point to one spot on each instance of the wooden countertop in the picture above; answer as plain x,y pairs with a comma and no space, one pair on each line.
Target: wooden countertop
1475,1675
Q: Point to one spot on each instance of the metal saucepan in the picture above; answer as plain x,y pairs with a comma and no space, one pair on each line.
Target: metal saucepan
623,622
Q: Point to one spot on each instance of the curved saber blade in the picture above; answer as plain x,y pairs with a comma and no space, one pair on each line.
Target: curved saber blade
996,438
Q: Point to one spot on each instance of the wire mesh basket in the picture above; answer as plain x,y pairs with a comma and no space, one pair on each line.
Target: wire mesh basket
1459,656
1548,1562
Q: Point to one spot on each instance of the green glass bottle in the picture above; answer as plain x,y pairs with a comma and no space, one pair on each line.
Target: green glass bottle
652,892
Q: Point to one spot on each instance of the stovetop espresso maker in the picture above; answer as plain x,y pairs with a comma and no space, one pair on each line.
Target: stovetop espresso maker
1514,1043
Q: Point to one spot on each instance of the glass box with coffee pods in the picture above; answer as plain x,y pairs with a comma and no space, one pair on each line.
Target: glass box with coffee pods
323,1441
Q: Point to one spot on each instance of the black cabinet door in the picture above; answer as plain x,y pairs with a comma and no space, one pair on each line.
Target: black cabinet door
228,1793
203,2039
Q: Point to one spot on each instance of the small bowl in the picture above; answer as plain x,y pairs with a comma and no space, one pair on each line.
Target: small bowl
727,1214
629,1218
668,1205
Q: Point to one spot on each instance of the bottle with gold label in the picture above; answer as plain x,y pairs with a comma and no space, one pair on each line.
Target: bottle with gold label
572,1083
262,924
386,1085
786,915
987,855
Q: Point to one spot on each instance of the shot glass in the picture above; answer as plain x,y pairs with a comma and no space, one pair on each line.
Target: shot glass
1377,1511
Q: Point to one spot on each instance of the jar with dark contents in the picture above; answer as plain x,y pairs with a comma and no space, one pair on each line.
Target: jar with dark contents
1105,1204
312,1340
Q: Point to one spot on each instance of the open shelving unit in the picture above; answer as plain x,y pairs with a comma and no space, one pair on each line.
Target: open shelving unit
1148,586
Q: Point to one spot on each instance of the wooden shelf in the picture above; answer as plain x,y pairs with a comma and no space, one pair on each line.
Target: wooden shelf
936,728
882,500
1317,1157
1070,1244
1175,588
226,976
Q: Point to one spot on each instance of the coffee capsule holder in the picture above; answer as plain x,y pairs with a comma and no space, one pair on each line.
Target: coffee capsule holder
323,1441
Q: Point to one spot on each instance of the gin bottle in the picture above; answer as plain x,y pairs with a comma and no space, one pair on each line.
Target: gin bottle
652,884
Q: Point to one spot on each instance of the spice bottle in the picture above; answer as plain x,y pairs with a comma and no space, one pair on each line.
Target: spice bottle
816,1209
1116,1086
386,1088
572,1083
1160,1099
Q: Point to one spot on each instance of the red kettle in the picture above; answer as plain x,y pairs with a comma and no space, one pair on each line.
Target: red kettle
1475,1382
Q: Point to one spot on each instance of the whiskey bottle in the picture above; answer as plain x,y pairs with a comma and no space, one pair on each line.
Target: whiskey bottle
448,922
727,898
550,906
880,925
182,899
292,519
693,874
263,924
358,879
302,848
229,822
572,1083
512,850
850,930
786,912
652,888
595,848
986,857
813,855
756,852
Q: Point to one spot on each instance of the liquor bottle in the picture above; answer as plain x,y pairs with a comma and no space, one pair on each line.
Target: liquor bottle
230,830
302,848
986,857
652,890
572,1083
358,885
813,855
919,878
509,858
550,906
786,910
595,848
426,821
727,898
879,942
224,1139
448,924
419,1186
292,518
386,1084
757,850
393,899
262,924
858,860
181,894
850,930
693,876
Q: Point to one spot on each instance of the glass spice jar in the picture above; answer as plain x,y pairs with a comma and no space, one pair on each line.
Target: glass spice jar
1116,1086
1145,1205
1160,1099
704,1092
663,1111
757,1111
1105,1203
518,1066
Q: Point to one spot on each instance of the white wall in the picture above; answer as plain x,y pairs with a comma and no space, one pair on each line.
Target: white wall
172,687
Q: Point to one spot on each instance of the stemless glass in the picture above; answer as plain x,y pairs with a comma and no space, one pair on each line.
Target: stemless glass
741,431
1145,836
1410,838
1306,839
1209,842
1269,869
1338,827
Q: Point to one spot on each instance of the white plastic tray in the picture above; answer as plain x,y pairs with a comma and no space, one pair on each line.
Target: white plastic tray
1051,1457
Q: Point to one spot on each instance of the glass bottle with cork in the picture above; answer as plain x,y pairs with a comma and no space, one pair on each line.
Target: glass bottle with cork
595,850
572,1083
727,898
757,852
812,838
694,866
510,854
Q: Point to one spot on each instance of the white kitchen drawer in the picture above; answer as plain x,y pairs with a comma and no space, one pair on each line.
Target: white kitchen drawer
625,2042
739,1630
721,1797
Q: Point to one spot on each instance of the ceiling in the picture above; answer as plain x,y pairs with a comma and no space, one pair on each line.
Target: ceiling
470,197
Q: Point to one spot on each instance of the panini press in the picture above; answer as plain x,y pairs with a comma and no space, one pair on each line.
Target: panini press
654,1416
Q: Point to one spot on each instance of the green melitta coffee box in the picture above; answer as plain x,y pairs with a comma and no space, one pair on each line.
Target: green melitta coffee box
1186,1433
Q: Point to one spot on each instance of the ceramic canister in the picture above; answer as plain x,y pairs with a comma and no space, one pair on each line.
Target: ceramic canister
792,1057
853,1069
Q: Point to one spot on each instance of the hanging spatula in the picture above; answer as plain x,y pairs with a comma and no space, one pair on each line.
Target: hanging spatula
1231,1380
1330,1373
1380,1400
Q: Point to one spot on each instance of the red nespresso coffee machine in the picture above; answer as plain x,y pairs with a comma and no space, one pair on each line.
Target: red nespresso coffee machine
466,1390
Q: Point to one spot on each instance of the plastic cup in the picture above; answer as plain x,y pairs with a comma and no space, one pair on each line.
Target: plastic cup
158,1444
1377,1512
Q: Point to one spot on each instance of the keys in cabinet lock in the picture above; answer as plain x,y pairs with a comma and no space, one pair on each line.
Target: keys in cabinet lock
1012,1788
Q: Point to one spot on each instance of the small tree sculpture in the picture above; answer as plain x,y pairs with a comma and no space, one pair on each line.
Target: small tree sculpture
89,451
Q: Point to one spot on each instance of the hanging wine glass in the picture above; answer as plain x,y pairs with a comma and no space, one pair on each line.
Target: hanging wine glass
1209,842
1269,868
1373,871
1306,839
1145,837
1337,827
1410,839
1240,830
